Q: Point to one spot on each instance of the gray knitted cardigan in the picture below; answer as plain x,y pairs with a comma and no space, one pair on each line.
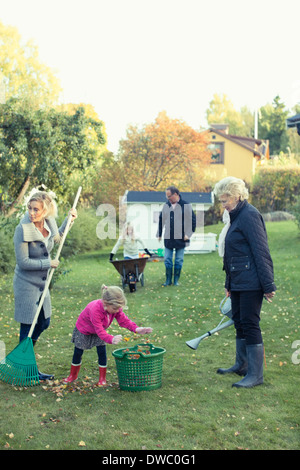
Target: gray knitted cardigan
33,263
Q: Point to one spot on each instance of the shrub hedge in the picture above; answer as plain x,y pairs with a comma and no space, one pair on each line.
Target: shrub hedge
276,188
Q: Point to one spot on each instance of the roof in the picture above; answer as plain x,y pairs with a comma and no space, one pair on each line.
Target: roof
257,146
294,121
159,197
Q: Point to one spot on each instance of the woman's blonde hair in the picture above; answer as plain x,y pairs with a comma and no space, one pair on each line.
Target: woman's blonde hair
114,296
231,186
128,227
49,204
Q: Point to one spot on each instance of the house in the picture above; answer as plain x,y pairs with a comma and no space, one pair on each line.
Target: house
294,121
143,208
233,155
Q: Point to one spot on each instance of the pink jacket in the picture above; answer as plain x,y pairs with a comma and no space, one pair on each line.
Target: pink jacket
94,319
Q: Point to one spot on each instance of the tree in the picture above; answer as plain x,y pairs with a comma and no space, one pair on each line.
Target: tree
272,126
222,111
23,75
165,152
42,146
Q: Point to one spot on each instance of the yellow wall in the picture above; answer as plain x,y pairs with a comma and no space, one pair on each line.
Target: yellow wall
238,161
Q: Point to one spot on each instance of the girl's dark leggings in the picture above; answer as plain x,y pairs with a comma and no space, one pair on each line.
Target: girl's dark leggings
101,351
246,307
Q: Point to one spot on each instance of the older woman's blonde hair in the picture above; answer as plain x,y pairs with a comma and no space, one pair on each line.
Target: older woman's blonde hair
114,296
47,201
231,186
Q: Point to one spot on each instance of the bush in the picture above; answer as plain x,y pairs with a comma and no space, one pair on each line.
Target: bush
82,236
295,210
277,216
7,252
276,188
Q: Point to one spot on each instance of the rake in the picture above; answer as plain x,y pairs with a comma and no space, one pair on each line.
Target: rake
19,366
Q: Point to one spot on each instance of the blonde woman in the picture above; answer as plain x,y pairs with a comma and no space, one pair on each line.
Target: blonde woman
249,277
91,326
33,241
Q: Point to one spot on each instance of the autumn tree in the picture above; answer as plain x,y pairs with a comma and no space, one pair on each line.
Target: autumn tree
164,152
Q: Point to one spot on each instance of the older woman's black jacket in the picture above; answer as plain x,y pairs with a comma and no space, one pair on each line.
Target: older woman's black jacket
247,260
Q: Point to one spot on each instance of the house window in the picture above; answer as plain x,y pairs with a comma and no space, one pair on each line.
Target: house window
217,152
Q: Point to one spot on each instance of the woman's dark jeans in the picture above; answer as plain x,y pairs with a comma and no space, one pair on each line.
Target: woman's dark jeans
41,325
246,307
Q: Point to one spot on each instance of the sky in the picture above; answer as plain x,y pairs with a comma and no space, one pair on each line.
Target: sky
132,59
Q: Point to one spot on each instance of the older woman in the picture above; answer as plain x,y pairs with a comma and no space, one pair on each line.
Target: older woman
34,240
249,277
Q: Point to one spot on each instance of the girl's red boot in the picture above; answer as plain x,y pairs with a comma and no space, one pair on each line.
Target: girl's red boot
73,373
102,376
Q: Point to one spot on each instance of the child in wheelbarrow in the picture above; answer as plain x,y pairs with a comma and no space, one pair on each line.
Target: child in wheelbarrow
130,244
91,326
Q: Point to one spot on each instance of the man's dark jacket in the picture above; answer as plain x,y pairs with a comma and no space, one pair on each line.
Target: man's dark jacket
177,223
247,260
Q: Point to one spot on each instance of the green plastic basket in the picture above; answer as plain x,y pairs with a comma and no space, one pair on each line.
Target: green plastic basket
140,367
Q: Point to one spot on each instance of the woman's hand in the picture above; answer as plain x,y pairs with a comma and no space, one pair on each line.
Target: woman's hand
269,296
54,263
73,213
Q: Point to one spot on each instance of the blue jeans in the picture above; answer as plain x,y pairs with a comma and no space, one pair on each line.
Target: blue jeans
179,254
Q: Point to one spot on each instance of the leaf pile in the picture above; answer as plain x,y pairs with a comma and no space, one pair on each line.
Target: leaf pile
83,387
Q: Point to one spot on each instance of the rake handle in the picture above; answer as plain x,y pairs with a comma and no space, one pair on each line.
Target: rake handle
49,278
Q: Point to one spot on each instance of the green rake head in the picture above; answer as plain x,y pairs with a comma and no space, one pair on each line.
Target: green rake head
19,367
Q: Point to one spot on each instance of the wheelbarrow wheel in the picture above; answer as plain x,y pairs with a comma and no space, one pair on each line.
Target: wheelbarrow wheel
132,287
142,280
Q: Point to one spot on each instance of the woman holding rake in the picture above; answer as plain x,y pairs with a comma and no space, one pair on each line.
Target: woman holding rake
34,240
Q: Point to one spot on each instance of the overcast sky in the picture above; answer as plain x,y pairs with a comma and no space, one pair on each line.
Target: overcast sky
132,59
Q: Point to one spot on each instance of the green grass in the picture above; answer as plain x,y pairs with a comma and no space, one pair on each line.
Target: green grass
195,408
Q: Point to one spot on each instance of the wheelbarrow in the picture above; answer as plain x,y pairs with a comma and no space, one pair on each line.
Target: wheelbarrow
131,271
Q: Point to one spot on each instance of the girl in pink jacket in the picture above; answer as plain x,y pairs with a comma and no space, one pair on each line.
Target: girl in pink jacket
91,326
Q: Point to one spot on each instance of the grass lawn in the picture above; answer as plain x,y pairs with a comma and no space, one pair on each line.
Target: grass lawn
195,409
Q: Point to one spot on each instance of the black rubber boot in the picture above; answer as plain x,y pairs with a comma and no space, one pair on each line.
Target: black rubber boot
240,366
176,276
255,356
168,277
43,376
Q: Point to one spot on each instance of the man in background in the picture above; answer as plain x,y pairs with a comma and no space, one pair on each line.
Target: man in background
179,222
